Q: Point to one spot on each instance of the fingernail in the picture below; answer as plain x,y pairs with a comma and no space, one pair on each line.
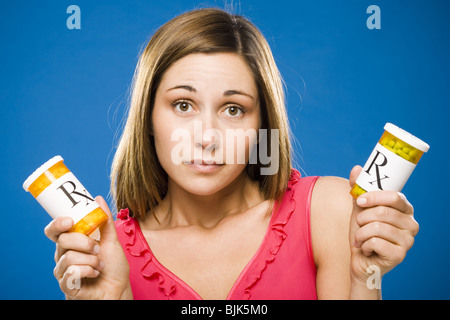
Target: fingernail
361,201
96,249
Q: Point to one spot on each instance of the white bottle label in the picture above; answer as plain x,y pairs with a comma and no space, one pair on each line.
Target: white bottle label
67,197
385,170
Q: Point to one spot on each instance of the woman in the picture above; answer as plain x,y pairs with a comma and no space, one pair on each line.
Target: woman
203,214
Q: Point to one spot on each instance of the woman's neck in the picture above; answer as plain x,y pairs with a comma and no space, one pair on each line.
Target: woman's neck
181,208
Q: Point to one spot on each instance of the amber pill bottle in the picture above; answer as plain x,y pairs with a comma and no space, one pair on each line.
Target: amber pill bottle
391,163
60,193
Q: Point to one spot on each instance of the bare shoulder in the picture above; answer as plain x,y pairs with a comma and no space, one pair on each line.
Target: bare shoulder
331,194
331,209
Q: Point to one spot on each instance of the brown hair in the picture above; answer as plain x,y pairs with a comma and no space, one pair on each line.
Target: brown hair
138,182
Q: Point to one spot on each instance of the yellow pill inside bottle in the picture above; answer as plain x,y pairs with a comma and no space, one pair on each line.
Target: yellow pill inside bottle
60,193
391,163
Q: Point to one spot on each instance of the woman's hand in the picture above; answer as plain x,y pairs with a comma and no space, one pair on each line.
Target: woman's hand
382,230
86,268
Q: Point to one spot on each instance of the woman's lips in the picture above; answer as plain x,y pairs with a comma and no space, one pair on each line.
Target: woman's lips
204,166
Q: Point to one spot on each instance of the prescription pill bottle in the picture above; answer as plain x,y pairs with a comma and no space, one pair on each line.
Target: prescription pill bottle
391,163
61,194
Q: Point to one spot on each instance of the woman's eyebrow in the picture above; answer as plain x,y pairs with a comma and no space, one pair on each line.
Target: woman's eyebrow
232,92
185,87
226,93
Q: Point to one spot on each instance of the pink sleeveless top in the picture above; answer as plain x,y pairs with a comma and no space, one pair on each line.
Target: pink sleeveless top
282,268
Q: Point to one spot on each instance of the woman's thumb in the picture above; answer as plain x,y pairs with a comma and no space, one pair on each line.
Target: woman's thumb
354,175
108,230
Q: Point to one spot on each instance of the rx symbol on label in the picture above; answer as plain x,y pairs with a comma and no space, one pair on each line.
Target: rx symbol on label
73,192
381,163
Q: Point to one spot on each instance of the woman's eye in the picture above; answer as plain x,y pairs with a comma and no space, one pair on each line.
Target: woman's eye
182,106
234,111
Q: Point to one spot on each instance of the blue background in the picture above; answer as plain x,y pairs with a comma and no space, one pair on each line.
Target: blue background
65,92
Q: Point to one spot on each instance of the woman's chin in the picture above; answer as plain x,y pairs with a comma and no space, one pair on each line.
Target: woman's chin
206,180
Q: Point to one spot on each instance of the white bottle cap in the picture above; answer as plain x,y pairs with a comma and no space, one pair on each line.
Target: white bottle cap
36,174
406,137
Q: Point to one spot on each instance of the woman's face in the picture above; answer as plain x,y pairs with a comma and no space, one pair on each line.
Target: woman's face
205,121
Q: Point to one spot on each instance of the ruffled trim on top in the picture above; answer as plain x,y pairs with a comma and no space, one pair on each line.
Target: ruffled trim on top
253,271
149,269
275,237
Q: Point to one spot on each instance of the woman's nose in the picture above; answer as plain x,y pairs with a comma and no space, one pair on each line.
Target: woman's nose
206,133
